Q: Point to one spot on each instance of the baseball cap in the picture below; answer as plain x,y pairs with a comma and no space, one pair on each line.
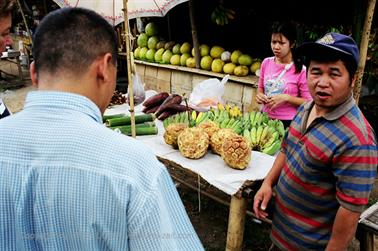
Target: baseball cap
331,42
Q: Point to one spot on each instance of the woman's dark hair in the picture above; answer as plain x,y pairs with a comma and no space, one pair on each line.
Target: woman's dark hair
289,30
70,39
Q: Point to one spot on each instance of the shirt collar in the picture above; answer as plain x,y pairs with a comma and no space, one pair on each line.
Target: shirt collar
63,100
336,113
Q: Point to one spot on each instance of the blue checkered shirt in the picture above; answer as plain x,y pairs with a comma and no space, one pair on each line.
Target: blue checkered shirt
69,183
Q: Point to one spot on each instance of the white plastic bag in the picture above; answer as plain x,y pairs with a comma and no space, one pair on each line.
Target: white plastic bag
138,90
208,94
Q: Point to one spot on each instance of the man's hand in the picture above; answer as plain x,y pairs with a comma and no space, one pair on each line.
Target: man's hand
261,200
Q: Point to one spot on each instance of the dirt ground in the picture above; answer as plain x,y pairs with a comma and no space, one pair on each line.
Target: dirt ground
209,217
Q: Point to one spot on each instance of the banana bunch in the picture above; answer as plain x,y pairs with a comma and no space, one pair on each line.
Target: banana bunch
222,15
182,117
224,120
200,117
233,111
264,136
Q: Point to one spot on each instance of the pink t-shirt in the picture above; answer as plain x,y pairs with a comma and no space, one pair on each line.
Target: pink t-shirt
294,84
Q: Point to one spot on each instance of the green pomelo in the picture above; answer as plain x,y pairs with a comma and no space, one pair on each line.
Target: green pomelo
229,68
142,40
176,49
217,65
185,48
167,57
235,56
206,63
183,59
241,71
160,45
175,59
142,53
216,51
150,55
191,62
136,53
152,42
245,59
151,29
255,66
159,55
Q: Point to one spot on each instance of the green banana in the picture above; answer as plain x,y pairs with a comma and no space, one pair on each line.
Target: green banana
280,127
272,139
258,134
253,136
252,116
247,136
224,123
264,134
271,150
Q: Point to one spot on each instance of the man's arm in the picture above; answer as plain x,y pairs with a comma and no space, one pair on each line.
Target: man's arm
264,194
343,229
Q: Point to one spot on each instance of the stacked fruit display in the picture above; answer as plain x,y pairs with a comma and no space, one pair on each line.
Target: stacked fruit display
152,48
226,131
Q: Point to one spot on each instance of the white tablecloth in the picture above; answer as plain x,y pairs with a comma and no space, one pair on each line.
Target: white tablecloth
211,167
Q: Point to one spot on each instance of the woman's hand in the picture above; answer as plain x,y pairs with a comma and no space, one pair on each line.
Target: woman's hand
261,98
276,100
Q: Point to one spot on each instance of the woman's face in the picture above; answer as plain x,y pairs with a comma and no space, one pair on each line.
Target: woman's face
281,46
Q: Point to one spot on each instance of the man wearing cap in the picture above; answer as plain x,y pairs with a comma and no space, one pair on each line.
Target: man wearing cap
327,165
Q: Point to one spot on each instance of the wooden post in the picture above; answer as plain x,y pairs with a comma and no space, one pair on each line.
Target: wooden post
129,76
363,48
236,219
194,34
26,24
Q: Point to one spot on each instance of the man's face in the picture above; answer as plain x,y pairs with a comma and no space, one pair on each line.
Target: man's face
329,84
5,27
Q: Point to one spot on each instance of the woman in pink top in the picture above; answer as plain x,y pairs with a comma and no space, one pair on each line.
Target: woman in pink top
282,84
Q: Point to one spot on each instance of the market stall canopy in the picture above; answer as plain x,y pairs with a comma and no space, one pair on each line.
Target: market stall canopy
111,10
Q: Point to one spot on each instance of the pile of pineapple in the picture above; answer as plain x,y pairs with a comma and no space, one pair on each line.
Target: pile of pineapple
226,131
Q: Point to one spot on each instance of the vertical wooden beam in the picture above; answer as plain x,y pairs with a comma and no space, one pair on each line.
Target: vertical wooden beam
194,34
235,232
363,48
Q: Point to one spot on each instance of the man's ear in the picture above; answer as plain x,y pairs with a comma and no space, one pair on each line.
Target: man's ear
103,67
354,79
33,74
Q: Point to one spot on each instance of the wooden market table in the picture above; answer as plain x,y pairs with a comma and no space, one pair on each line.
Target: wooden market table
219,182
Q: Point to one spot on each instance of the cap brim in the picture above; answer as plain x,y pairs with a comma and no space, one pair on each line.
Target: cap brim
310,49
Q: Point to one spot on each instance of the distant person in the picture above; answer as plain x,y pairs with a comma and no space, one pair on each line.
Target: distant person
67,182
282,86
6,7
326,169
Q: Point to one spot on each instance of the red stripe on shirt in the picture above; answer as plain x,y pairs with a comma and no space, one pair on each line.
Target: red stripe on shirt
355,130
282,241
317,151
357,159
299,217
352,200
308,187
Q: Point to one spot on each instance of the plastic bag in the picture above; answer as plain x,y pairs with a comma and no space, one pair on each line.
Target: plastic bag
208,94
138,90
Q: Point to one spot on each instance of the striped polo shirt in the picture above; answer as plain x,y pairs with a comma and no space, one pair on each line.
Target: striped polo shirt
331,163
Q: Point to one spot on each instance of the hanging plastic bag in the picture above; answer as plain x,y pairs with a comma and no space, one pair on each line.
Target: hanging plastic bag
208,94
138,90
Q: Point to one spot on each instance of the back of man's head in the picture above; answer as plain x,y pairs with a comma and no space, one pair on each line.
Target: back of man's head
70,39
6,7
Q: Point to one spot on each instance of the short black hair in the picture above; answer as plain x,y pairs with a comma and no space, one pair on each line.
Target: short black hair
6,7
70,39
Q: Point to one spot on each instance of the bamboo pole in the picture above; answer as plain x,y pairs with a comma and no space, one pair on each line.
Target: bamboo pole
363,49
129,75
194,34
26,24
